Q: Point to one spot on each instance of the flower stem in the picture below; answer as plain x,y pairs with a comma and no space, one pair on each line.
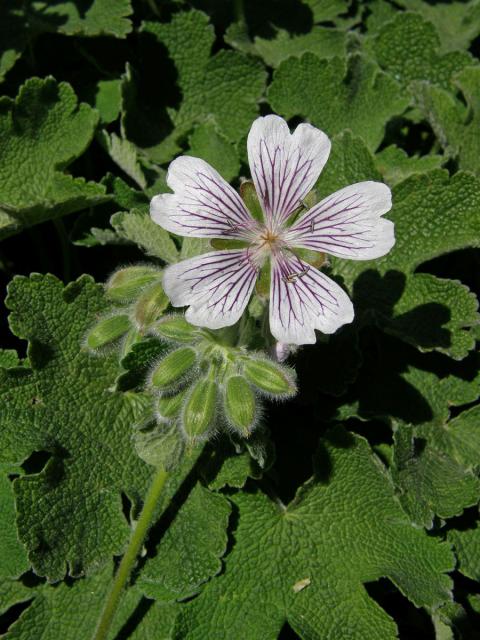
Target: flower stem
130,557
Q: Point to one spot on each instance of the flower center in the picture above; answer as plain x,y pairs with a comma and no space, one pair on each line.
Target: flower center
268,239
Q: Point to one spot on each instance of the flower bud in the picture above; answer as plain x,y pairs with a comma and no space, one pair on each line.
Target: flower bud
173,367
199,410
107,331
175,328
240,404
269,377
125,285
132,337
150,305
168,407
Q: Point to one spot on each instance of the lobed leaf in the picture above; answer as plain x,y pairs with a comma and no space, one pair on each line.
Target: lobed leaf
41,133
349,517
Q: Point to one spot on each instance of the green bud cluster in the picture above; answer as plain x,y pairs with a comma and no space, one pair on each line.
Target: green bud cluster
204,385
139,301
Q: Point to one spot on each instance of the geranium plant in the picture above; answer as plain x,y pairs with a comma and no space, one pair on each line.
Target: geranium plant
239,379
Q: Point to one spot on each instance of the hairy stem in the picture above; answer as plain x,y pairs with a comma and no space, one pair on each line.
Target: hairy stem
130,557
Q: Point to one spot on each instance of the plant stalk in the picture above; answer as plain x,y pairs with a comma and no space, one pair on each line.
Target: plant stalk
129,559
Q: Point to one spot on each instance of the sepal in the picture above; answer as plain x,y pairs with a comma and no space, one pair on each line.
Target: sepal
126,284
175,328
107,332
199,410
271,378
240,405
150,306
168,407
173,368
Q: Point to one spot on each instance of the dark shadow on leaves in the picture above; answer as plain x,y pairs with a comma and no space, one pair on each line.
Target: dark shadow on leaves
423,325
40,354
381,389
287,633
413,623
51,21
12,614
36,462
340,438
167,517
152,90
135,619
374,297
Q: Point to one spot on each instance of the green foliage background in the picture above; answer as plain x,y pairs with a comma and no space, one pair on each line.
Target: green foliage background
375,537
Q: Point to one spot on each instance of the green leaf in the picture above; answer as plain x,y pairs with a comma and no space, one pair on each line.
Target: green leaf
395,165
457,23
13,34
12,593
223,88
71,611
160,444
307,563
416,388
430,481
9,358
125,155
459,438
455,125
70,511
190,551
136,226
138,362
434,313
325,10
13,560
350,161
234,471
205,142
96,18
322,41
334,95
108,99
41,133
432,216
467,549
408,47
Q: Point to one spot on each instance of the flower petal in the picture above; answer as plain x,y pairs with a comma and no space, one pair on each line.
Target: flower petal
217,287
348,223
303,299
284,166
203,204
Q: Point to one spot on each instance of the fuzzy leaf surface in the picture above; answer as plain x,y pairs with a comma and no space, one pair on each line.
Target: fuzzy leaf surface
13,560
408,46
433,215
69,511
71,611
223,88
323,91
456,125
351,520
41,133
95,18
190,551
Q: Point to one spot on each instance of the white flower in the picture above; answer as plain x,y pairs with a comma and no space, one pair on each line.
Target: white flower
217,286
